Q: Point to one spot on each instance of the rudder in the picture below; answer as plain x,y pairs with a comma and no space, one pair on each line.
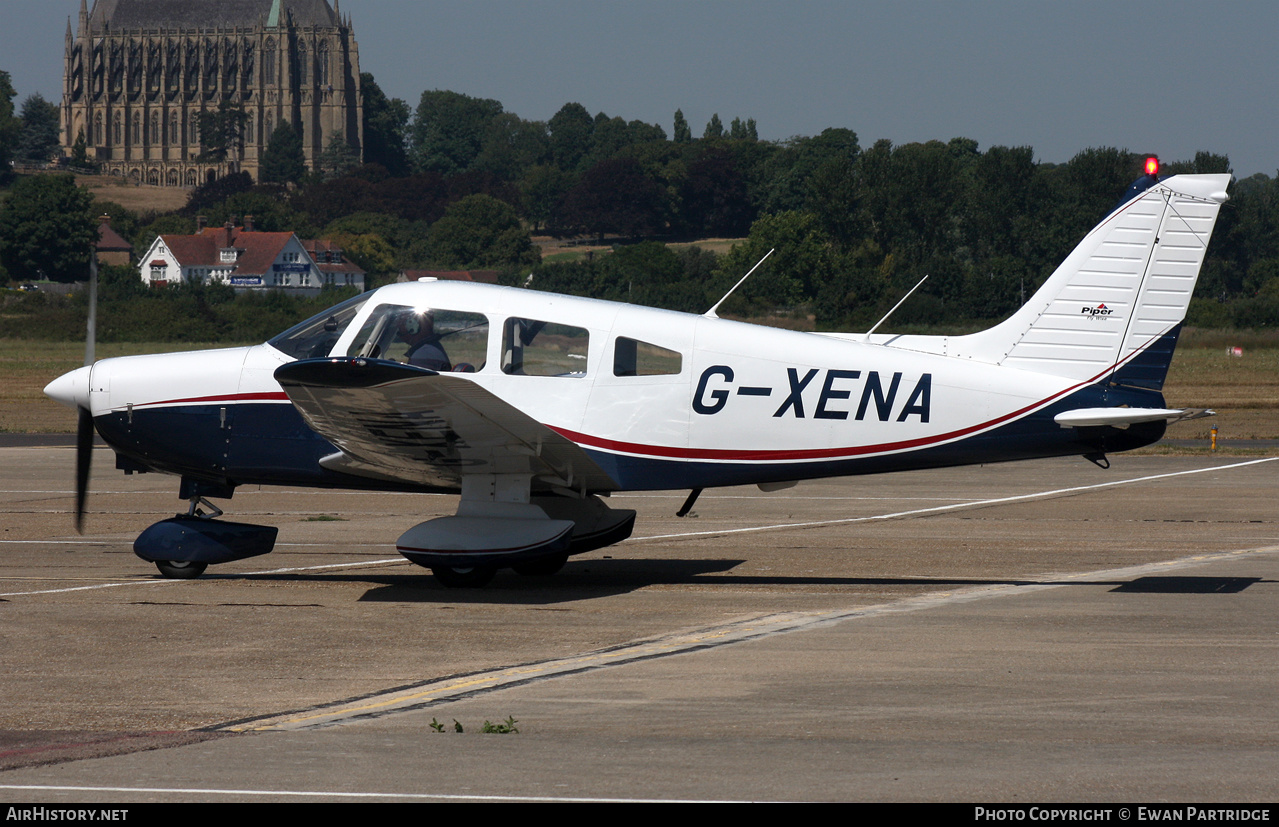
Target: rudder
1124,289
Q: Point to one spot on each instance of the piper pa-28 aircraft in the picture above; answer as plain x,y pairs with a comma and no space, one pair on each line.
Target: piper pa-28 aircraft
535,407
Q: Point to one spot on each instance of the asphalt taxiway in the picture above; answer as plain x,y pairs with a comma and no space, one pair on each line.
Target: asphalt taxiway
1035,631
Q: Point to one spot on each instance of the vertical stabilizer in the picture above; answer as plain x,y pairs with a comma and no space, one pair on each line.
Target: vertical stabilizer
1124,288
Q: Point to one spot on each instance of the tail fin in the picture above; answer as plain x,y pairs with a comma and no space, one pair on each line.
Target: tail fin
1124,289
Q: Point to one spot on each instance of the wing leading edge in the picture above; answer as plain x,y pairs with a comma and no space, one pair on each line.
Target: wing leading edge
399,422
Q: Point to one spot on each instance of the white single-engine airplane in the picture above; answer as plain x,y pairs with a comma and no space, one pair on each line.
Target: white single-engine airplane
535,406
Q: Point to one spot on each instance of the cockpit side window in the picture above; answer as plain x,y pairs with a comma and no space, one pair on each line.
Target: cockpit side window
631,357
315,337
433,338
536,348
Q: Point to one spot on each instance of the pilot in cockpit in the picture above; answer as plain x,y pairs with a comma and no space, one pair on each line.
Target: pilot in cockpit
417,330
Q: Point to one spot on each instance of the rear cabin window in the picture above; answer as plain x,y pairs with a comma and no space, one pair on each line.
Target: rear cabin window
536,348
433,338
631,357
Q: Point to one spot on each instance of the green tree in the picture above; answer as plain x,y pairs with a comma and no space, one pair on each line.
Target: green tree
449,129
222,133
682,133
615,196
571,131
804,259
714,127
339,157
481,231
270,213
39,141
370,251
385,123
10,127
541,190
712,196
511,146
284,160
79,151
47,229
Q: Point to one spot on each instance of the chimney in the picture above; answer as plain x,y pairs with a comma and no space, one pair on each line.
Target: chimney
248,223
104,219
200,223
230,228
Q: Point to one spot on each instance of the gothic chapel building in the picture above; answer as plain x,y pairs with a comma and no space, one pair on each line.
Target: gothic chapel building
139,72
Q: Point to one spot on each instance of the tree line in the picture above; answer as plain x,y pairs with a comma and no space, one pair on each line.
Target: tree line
458,182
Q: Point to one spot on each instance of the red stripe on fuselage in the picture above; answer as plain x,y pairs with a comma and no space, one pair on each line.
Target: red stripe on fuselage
264,396
728,454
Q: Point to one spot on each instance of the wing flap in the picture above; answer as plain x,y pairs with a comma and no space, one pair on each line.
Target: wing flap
396,421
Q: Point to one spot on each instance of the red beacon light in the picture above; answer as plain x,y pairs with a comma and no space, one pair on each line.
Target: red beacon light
1152,166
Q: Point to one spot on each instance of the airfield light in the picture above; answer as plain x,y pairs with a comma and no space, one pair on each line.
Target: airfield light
1152,165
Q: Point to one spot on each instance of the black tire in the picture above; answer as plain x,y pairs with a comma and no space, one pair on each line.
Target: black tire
542,566
180,569
452,577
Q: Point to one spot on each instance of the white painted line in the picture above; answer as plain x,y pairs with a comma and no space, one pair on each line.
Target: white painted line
339,794
236,576
788,495
953,507
724,531
435,692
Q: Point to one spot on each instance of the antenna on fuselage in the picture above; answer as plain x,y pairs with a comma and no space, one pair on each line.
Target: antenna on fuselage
899,304
710,314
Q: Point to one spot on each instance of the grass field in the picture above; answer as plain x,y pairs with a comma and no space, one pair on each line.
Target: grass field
139,198
27,366
1244,390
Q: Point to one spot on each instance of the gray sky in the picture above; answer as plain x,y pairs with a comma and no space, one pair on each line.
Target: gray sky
1167,77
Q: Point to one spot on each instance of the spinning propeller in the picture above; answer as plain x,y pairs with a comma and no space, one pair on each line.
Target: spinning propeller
84,427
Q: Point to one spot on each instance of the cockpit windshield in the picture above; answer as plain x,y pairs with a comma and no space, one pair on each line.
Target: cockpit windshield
428,337
315,337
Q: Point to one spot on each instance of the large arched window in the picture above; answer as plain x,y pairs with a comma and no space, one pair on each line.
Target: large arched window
175,130
322,60
302,58
268,61
155,128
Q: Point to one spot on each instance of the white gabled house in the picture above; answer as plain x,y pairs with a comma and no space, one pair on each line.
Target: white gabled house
246,260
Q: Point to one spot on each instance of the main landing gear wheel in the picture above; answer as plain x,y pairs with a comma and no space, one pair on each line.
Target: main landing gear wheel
464,578
180,569
542,566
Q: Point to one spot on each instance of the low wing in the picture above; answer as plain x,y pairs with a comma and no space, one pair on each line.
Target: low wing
1123,417
398,422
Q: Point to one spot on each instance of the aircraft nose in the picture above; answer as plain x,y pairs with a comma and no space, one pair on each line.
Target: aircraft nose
71,389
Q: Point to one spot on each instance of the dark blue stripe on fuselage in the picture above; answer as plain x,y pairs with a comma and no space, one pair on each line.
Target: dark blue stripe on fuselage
1035,436
251,444
270,444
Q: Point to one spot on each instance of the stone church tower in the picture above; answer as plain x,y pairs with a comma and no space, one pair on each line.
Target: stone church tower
138,73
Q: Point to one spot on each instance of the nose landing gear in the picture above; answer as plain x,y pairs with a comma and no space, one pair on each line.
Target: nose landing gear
182,547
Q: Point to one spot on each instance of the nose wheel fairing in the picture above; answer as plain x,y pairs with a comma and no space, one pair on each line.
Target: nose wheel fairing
192,539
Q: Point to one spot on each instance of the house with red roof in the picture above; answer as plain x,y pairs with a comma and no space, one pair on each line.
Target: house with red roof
111,248
247,259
